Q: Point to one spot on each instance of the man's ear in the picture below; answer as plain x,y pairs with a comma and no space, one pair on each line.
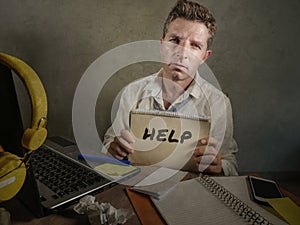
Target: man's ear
161,43
207,54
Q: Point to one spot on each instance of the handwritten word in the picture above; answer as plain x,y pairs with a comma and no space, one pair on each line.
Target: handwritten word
164,135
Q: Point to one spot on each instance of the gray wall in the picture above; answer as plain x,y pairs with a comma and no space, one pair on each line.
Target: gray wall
255,61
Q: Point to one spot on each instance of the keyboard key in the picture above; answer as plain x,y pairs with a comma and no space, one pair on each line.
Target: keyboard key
60,175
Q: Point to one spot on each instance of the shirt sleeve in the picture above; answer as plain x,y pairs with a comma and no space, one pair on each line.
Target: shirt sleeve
108,138
229,146
121,120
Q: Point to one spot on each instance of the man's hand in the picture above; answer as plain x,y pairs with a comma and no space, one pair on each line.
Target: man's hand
207,157
120,147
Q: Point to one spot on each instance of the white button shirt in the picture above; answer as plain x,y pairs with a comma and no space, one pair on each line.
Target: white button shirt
200,99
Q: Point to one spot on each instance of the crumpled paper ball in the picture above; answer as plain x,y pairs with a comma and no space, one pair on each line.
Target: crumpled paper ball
101,213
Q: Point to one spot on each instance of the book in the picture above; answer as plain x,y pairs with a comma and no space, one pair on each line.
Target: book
212,200
160,182
166,139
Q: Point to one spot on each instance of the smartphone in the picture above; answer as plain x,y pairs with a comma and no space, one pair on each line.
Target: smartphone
263,188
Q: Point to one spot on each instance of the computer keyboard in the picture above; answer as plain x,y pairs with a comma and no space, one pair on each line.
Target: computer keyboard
61,175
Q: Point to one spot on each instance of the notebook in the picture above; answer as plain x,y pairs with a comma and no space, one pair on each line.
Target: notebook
160,182
56,177
212,200
166,139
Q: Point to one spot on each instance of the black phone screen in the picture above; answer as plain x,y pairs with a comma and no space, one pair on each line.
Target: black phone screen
265,189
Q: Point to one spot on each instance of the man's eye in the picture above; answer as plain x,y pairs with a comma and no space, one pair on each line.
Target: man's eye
175,40
196,46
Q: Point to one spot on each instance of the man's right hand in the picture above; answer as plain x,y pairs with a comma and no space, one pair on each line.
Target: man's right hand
120,147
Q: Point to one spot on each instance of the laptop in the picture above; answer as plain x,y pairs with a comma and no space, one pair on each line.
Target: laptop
59,178
55,177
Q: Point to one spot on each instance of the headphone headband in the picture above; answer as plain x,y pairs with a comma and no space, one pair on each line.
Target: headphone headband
34,136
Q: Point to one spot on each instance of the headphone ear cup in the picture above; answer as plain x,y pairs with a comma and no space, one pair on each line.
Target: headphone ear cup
33,138
35,88
12,175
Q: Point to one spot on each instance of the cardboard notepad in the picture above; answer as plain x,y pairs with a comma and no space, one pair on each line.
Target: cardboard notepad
166,139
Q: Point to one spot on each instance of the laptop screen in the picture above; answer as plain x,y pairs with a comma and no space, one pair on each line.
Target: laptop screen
10,118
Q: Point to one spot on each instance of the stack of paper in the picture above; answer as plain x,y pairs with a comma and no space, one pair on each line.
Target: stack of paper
160,182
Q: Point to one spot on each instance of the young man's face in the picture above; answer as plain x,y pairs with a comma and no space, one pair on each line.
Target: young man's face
184,48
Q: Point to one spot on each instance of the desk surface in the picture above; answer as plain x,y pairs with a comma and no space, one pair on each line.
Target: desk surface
116,196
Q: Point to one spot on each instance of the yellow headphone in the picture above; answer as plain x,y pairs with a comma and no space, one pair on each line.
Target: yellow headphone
12,168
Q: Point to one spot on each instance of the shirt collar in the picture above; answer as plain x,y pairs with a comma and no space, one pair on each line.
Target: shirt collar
195,88
153,88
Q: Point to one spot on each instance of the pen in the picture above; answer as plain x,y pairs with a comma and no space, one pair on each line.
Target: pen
103,159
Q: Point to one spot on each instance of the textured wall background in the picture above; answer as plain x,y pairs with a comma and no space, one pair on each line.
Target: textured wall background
255,60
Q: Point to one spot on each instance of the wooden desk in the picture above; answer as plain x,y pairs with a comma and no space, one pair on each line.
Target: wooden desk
115,196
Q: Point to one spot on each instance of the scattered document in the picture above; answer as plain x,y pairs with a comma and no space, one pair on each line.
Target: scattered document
287,209
112,169
160,182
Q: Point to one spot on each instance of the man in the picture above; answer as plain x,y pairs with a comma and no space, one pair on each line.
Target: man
185,45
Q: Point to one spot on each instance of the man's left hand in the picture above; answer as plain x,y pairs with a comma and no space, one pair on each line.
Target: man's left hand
206,156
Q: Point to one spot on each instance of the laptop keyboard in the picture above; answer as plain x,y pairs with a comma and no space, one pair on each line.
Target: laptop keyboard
61,175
